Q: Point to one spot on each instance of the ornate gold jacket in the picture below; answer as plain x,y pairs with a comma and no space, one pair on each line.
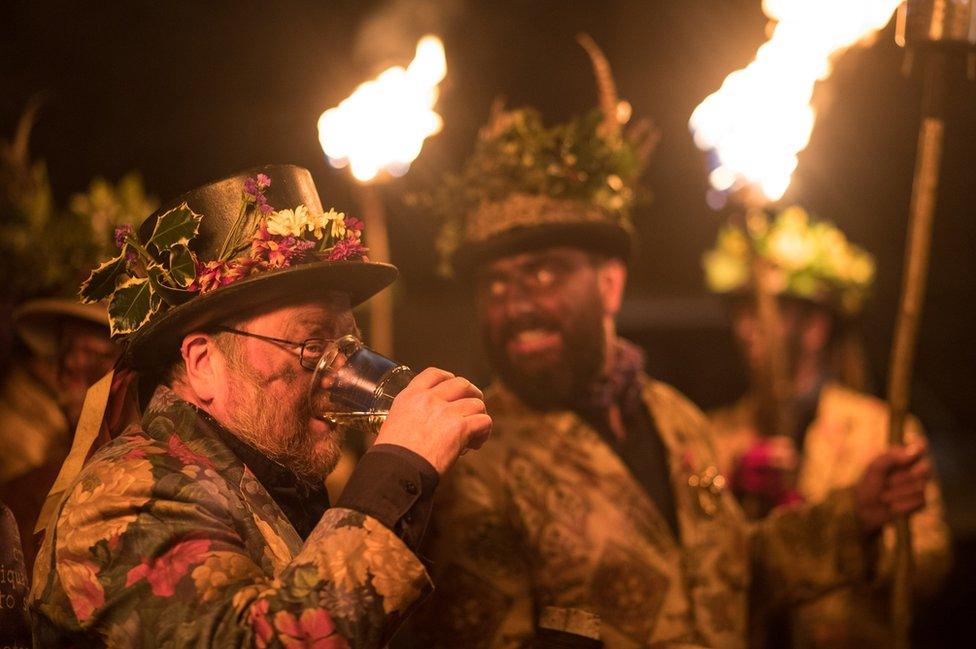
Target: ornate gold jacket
165,539
849,430
546,514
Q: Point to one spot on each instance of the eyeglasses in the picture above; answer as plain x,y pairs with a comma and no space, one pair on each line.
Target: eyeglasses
310,353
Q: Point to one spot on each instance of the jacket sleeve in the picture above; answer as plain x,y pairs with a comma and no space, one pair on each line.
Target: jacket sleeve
808,550
801,552
482,595
154,550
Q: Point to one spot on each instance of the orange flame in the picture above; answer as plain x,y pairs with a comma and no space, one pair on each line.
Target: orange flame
382,125
762,117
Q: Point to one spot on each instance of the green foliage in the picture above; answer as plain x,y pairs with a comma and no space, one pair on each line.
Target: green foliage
140,281
175,228
101,283
182,265
46,249
517,153
133,303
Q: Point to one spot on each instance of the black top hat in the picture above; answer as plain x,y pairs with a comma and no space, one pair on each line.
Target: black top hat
241,260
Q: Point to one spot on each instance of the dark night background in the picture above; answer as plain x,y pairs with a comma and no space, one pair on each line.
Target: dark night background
187,91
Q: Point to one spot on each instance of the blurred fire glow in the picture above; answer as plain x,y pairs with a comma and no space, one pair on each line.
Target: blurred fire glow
382,125
762,117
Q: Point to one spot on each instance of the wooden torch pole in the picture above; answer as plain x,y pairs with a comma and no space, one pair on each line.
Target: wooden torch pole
921,215
380,335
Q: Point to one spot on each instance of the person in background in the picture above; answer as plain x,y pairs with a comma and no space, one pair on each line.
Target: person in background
598,512
68,350
834,429
51,347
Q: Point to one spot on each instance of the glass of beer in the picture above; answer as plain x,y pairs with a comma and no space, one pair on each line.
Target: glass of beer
353,386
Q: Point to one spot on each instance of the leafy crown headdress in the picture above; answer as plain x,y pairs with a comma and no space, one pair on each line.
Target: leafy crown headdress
810,259
524,174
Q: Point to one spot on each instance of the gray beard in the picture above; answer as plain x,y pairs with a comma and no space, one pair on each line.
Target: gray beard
283,436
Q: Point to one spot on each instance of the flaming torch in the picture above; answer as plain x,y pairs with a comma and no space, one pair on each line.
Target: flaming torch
761,118
758,121
377,132
934,31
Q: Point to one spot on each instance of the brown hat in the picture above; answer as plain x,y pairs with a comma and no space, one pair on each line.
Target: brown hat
38,322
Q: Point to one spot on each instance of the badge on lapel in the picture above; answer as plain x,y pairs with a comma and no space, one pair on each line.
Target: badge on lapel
708,486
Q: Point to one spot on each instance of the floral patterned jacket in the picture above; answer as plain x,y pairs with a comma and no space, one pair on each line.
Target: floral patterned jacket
547,515
848,431
166,539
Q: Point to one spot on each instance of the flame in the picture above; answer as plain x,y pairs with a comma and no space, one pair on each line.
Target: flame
762,117
382,125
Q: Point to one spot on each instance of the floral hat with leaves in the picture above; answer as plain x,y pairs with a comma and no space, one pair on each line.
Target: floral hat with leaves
528,185
810,259
233,244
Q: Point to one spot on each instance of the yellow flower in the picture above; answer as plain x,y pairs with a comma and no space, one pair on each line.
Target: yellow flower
331,223
733,242
862,269
724,272
790,248
289,222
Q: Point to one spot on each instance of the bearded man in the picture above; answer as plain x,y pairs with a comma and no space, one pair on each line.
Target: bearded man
208,523
598,514
833,428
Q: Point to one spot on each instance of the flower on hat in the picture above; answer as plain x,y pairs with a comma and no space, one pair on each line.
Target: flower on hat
289,222
331,223
148,277
808,258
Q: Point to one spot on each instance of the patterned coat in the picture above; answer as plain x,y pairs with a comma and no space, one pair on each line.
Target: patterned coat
166,539
546,514
848,431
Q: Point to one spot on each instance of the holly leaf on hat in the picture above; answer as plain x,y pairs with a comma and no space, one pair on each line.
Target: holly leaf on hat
172,296
175,228
132,305
102,280
182,265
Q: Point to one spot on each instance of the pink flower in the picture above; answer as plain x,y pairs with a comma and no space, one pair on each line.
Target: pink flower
255,186
238,269
278,252
346,250
354,226
166,571
208,277
122,233
313,630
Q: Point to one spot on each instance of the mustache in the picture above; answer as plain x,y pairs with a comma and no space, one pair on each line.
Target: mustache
513,327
